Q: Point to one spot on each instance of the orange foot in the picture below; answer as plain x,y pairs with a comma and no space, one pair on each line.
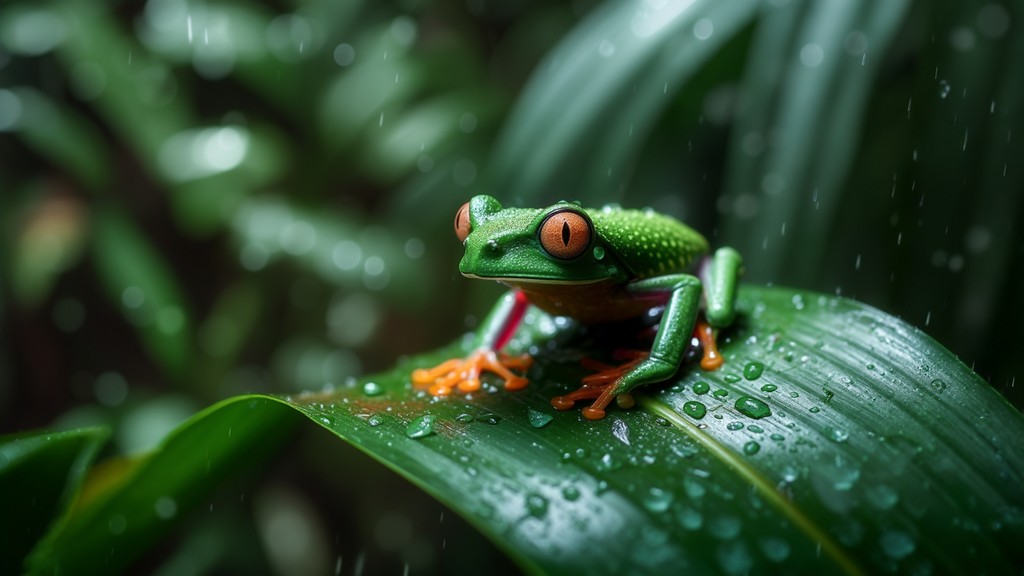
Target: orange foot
601,385
464,374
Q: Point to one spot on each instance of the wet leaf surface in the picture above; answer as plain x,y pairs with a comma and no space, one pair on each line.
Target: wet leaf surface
835,439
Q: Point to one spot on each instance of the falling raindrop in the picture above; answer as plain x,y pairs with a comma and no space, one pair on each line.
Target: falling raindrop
944,88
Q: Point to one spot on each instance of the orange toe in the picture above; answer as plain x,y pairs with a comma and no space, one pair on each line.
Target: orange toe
463,374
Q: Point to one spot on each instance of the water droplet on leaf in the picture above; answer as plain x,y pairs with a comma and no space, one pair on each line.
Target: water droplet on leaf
420,427
538,419
621,431
701,388
753,370
657,499
536,505
752,407
695,410
897,544
571,493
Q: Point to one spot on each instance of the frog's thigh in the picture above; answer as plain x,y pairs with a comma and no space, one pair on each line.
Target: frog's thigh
720,280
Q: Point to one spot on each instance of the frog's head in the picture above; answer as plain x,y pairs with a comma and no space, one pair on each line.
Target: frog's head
521,246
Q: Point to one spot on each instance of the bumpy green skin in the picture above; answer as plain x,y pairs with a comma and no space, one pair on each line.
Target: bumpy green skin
636,259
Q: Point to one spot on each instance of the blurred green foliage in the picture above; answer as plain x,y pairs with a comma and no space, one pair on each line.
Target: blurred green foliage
199,199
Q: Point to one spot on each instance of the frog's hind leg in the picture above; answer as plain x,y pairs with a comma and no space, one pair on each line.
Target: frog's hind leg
599,385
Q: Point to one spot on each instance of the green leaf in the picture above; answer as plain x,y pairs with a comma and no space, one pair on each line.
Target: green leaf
140,283
139,502
836,438
40,475
587,112
812,67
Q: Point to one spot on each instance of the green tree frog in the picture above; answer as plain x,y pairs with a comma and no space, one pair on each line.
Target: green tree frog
595,266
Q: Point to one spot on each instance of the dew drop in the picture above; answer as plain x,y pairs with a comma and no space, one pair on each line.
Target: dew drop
775,549
751,448
753,370
734,426
752,407
881,496
695,410
838,435
731,378
538,419
464,418
769,388
375,420
537,505
657,499
701,388
897,544
373,389
690,519
720,393
621,431
571,493
420,427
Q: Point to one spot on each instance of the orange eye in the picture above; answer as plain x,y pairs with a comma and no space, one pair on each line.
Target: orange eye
565,234
462,222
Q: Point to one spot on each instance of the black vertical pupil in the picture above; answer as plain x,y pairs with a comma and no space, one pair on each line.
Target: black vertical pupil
565,232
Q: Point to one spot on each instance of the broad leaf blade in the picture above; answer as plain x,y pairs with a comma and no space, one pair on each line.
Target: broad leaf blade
876,435
808,82
40,474
129,513
881,451
587,112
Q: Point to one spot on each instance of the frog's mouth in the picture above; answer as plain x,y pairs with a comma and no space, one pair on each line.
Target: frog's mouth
527,281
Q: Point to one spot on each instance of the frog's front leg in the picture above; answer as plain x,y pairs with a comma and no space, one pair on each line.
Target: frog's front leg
674,332
464,373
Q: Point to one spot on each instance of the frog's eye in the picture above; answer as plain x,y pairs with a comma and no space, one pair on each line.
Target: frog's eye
565,234
462,222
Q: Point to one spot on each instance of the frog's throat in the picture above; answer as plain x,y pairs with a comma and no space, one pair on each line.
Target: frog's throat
527,281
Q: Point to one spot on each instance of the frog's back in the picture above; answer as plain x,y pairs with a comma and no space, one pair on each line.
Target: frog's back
651,244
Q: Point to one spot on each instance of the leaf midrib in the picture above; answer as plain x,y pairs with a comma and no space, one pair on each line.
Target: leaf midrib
759,482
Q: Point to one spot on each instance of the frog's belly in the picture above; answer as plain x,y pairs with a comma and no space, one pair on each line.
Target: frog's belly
590,303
